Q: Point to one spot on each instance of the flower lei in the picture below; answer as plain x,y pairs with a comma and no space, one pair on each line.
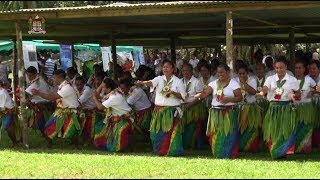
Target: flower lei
279,90
166,88
219,93
300,88
205,83
188,88
243,91
260,83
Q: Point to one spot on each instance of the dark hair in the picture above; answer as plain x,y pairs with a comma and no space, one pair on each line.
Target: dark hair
125,81
80,78
72,70
110,83
300,62
316,62
169,62
100,75
261,64
206,65
190,67
60,72
224,66
282,59
243,66
32,70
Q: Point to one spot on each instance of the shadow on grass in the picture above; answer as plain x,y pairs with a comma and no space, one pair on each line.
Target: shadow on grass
141,149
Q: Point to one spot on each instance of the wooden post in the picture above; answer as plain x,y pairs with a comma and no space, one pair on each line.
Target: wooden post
252,54
308,47
14,71
292,49
73,57
21,75
173,49
229,40
114,56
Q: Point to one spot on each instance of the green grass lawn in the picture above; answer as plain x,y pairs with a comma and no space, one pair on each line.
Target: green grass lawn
63,161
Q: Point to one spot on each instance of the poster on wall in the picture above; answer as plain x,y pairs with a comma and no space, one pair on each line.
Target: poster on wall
65,56
134,53
30,56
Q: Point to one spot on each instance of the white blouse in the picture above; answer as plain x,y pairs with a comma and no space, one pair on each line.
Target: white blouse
5,99
85,98
175,84
308,85
69,98
39,84
227,92
118,103
138,99
253,83
289,86
193,86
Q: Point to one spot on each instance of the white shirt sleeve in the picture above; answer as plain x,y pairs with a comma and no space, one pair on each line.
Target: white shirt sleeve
155,81
199,86
253,83
234,84
312,82
65,91
181,88
134,97
85,95
294,84
268,82
32,86
111,101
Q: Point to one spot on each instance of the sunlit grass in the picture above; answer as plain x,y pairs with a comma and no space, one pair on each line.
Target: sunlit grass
63,161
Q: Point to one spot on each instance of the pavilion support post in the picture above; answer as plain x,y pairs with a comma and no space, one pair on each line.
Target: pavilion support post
229,40
252,54
73,57
308,45
14,71
21,75
114,56
187,55
217,50
173,49
292,48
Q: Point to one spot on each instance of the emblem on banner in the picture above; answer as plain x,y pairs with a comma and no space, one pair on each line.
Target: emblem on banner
37,25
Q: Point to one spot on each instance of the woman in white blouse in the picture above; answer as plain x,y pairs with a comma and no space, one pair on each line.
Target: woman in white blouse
194,113
115,132
222,127
280,121
249,112
305,110
166,125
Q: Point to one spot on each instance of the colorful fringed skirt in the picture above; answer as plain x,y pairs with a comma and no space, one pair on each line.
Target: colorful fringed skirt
223,133
264,106
63,123
279,127
38,114
115,134
306,122
143,118
194,130
316,127
166,131
250,122
88,122
9,122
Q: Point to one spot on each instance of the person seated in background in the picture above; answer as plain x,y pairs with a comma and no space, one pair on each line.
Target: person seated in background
97,69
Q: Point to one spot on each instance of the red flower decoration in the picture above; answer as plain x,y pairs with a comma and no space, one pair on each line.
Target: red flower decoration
218,98
277,96
168,95
297,98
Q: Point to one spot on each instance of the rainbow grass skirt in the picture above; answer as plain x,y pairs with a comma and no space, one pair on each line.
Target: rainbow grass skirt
279,127
9,122
115,135
143,118
63,123
222,130
250,122
194,127
306,122
91,117
166,132
39,114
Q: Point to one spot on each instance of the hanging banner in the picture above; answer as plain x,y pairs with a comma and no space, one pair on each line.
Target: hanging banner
65,56
106,57
30,56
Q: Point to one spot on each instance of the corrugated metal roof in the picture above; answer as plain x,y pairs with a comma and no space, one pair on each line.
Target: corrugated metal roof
135,6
